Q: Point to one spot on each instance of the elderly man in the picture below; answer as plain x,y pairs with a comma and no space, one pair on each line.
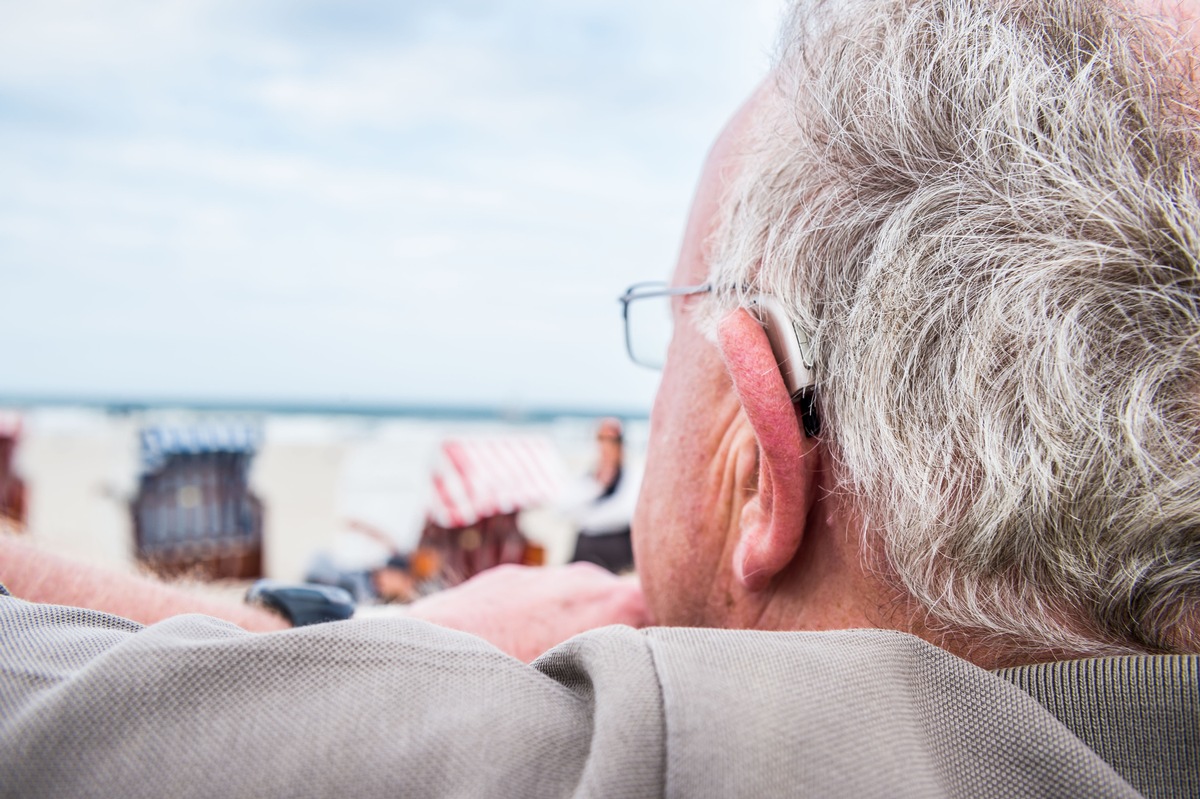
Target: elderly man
930,401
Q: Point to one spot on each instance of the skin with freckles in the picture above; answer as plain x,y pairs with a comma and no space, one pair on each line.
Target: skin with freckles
769,534
698,450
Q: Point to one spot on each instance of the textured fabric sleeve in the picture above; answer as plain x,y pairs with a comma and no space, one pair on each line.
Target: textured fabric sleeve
93,705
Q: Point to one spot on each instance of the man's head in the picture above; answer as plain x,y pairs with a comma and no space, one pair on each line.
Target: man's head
610,438
611,451
987,214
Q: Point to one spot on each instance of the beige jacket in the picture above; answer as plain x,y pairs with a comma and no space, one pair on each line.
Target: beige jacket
94,705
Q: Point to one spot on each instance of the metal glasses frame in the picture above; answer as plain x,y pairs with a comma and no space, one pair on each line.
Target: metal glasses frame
793,349
647,290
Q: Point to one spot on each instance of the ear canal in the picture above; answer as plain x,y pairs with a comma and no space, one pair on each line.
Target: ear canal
809,417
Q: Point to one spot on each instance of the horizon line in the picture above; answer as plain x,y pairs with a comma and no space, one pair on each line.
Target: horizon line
500,411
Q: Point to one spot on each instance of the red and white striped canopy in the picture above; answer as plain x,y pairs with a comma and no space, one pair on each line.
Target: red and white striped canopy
475,478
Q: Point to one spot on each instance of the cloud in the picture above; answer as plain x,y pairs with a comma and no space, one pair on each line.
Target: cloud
370,199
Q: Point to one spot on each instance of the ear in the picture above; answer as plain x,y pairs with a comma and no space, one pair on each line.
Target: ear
773,521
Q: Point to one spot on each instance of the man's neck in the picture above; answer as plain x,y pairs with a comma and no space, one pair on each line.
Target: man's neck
831,585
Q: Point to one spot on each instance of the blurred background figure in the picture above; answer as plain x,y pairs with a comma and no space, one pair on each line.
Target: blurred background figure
366,578
12,487
601,505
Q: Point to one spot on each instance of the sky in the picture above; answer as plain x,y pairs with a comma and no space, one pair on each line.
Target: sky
428,201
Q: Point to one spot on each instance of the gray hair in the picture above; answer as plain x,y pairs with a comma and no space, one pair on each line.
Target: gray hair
988,213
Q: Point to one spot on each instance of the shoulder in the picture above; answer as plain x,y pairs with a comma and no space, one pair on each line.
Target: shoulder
859,712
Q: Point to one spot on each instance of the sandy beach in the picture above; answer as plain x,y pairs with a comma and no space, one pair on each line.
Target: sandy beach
313,473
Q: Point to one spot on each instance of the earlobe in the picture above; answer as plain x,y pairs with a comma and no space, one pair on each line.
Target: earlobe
759,555
772,523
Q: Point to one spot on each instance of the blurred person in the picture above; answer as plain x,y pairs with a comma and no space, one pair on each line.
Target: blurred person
390,581
922,500
386,579
13,508
394,581
602,504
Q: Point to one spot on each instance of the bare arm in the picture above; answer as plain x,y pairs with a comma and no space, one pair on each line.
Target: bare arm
522,610
37,576
526,610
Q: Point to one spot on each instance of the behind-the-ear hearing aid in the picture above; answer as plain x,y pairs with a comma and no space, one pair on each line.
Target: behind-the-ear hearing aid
795,354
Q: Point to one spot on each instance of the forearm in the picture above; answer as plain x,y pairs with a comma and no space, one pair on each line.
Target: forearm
526,610
38,576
